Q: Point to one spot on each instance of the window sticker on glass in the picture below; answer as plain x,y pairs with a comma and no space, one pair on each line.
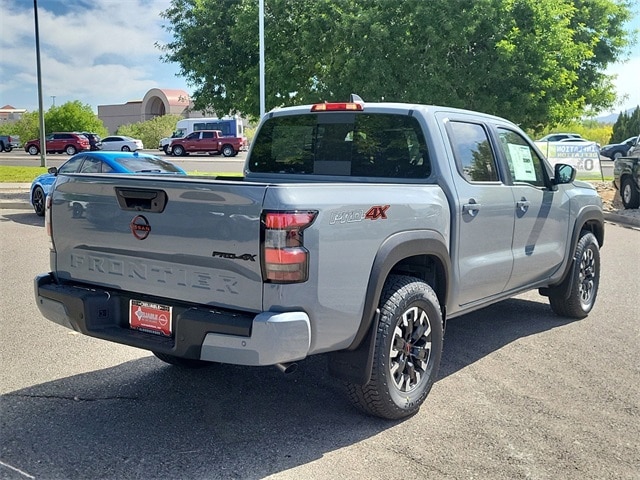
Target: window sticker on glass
524,169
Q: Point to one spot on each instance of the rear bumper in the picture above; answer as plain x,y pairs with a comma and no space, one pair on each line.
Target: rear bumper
200,331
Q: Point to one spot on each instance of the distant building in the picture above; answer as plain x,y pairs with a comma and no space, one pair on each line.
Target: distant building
157,102
9,114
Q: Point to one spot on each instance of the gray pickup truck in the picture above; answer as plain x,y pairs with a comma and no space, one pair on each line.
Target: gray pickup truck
357,230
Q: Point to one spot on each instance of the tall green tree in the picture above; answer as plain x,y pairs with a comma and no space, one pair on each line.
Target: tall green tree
151,131
73,117
627,125
26,128
537,62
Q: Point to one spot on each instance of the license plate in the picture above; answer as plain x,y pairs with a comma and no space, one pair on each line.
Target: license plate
151,317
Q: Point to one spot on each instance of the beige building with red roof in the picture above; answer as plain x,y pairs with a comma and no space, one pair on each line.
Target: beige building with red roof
156,102
10,114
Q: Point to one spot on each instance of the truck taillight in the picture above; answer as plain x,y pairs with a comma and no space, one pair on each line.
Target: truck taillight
284,258
47,220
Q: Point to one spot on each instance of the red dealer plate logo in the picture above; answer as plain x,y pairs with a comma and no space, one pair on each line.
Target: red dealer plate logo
150,317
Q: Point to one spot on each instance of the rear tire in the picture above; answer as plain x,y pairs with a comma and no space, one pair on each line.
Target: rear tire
228,151
581,283
125,149
407,351
167,150
182,362
629,194
70,150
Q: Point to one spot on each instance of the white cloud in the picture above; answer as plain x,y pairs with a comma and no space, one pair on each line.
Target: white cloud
103,55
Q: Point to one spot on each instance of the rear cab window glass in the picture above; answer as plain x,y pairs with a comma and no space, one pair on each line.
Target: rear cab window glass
342,144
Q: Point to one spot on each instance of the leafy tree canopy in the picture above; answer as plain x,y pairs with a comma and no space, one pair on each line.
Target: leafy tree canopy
536,62
627,125
151,131
68,117
73,117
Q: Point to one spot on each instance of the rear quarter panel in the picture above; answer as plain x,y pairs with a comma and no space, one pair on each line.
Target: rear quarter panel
343,244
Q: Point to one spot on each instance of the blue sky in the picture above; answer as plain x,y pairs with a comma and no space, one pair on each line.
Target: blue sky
104,52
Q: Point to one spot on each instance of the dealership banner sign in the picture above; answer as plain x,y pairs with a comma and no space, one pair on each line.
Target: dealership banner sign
584,157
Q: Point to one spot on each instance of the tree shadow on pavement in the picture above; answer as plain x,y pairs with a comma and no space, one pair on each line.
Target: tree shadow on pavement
472,337
146,419
26,217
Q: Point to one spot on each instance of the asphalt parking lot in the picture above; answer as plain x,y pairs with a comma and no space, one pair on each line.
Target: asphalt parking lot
522,393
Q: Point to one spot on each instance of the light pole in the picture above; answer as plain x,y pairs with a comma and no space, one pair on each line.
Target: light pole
261,34
53,100
43,144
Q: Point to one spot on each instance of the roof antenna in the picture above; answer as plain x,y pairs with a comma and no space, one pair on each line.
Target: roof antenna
353,98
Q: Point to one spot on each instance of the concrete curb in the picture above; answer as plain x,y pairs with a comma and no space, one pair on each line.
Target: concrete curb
622,219
15,205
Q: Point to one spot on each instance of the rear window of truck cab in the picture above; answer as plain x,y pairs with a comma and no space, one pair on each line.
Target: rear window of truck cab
342,144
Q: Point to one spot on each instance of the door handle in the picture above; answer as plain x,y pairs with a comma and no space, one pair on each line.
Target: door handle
472,208
523,205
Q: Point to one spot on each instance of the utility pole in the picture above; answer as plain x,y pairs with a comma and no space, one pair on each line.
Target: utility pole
261,33
43,136
53,100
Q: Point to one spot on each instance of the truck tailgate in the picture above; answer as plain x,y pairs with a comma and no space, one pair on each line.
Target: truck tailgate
187,239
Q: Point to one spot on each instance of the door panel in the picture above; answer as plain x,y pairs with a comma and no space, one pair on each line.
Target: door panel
541,212
485,215
540,234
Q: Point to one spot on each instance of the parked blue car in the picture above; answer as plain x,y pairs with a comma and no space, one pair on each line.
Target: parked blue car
99,162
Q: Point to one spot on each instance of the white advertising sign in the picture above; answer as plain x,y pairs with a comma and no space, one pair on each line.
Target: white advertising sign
584,157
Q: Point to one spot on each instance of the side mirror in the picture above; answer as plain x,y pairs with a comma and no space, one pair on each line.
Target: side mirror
53,170
564,173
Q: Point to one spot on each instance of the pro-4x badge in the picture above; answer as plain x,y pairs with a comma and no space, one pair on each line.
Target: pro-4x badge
377,212
232,256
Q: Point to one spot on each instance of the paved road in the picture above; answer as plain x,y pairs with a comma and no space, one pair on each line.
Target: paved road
522,394
190,163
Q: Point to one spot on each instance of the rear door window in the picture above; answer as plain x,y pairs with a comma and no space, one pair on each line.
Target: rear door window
474,156
342,144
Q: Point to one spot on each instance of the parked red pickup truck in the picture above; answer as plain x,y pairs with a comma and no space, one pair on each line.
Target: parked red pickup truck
211,141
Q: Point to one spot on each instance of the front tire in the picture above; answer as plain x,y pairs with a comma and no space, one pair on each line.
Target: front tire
407,351
178,151
167,150
182,362
38,200
629,194
33,150
582,283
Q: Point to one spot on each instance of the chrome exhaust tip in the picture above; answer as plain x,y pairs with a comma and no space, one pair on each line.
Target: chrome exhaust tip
287,368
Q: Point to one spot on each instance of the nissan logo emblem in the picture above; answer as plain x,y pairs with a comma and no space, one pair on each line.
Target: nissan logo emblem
140,227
